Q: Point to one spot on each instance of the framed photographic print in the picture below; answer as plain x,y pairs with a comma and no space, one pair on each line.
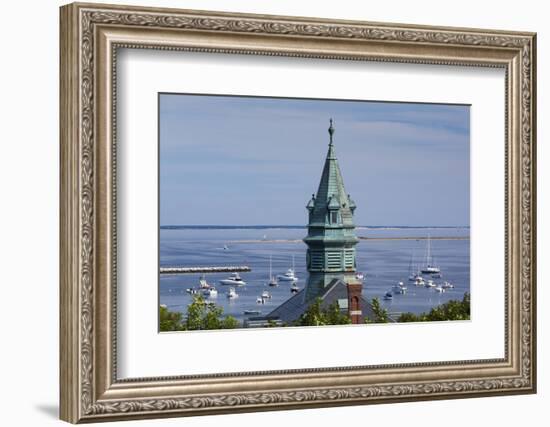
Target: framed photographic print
265,212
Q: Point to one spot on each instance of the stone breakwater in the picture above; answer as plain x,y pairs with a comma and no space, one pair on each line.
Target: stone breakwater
191,270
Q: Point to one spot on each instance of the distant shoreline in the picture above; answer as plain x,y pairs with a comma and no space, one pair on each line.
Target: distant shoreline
416,238
303,227
360,237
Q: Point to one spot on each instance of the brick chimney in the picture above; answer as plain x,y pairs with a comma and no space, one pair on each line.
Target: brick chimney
354,303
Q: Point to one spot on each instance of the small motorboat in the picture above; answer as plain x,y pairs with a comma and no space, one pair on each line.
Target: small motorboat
252,312
419,281
233,280
400,288
192,291
360,276
289,276
203,284
294,289
266,295
416,277
447,285
231,294
430,284
388,296
431,269
211,292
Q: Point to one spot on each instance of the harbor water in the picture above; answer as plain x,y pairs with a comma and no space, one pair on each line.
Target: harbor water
383,255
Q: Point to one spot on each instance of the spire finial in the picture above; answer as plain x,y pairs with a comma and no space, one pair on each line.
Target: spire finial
331,131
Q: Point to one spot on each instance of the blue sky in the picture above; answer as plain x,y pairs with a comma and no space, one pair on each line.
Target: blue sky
254,161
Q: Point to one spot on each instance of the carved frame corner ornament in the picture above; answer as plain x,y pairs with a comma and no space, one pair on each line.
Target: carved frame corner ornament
90,36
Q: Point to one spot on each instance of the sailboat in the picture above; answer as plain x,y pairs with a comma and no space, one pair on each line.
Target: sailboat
430,268
413,277
289,276
272,278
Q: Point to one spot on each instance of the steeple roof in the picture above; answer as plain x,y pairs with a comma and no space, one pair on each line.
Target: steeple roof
331,193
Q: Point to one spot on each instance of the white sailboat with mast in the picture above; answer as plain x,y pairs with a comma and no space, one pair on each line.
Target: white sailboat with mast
289,276
430,267
272,278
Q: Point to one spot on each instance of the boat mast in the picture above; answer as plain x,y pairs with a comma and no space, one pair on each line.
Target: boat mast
429,256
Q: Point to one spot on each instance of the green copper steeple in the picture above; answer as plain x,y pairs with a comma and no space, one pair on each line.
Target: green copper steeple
331,238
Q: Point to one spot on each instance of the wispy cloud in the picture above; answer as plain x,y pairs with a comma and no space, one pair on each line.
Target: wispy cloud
259,153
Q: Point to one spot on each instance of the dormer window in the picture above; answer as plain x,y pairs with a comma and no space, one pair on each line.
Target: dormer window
311,206
333,210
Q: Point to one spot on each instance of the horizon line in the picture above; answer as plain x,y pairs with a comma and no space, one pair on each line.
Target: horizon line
305,226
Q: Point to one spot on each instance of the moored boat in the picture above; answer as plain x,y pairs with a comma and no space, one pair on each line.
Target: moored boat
430,267
447,285
233,280
400,288
203,284
231,294
419,281
430,284
211,292
272,279
290,275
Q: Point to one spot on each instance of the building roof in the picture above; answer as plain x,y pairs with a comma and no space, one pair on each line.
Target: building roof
336,291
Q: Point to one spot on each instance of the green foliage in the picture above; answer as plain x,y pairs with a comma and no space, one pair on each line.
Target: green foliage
381,314
272,324
229,322
315,315
334,316
169,320
201,315
452,310
408,317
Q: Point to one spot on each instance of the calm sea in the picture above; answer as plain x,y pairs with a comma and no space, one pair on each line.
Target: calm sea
383,262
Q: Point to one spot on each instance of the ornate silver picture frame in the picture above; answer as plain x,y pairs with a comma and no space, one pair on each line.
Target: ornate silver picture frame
91,37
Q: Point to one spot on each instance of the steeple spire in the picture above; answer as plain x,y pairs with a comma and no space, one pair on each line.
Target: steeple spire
331,154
